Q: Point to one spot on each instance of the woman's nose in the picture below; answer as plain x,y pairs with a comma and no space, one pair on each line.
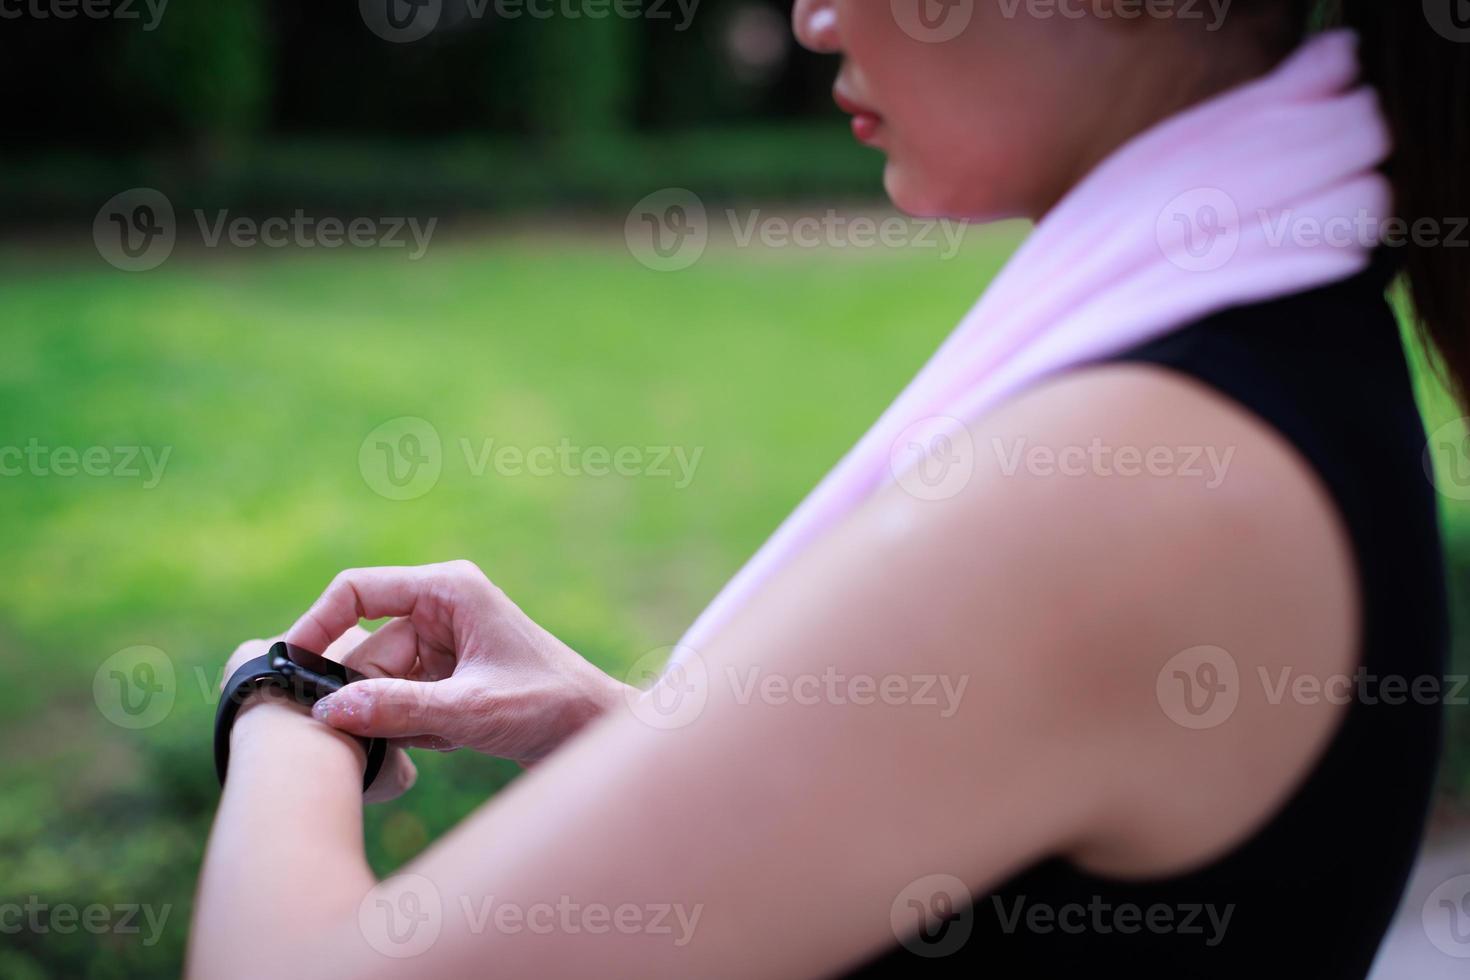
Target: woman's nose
815,22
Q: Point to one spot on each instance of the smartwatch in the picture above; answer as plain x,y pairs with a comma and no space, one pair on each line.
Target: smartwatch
306,678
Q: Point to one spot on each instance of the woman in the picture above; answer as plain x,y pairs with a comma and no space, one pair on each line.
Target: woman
1092,704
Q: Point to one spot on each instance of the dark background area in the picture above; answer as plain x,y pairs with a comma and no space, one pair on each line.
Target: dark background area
263,104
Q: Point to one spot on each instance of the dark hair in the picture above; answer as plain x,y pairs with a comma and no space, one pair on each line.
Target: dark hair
1420,63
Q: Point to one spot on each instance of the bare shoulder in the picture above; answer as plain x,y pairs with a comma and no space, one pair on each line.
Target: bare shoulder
1187,576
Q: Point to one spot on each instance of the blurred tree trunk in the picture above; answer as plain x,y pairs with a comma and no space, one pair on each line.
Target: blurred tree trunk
206,70
582,83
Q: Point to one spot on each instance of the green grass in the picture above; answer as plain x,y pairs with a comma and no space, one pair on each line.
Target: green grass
263,373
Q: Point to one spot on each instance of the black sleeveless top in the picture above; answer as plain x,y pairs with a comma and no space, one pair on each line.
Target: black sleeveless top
1312,893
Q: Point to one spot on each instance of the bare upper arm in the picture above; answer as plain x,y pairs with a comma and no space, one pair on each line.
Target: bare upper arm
1223,578
959,686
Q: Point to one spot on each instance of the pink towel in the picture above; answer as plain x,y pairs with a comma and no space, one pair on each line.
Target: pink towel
1269,189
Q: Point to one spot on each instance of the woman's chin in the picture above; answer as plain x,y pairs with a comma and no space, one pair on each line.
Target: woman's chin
926,196
916,196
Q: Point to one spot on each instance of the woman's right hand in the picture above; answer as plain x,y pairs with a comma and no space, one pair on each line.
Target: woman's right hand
460,666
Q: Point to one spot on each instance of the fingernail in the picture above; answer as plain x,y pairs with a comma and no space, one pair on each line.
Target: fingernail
333,710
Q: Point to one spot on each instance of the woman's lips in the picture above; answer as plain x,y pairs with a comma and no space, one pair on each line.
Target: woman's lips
866,124
865,127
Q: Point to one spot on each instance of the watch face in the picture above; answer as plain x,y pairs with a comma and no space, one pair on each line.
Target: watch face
317,675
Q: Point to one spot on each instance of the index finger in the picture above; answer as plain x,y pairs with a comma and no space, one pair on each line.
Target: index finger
433,597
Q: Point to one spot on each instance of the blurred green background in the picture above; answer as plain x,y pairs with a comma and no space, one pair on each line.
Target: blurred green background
265,374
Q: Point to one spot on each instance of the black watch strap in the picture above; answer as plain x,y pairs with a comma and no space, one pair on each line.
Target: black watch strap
303,676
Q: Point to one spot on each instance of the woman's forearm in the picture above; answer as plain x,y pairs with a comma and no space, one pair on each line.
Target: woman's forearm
285,858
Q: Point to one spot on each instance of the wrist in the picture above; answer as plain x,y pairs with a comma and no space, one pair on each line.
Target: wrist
602,694
272,726
266,698
611,693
